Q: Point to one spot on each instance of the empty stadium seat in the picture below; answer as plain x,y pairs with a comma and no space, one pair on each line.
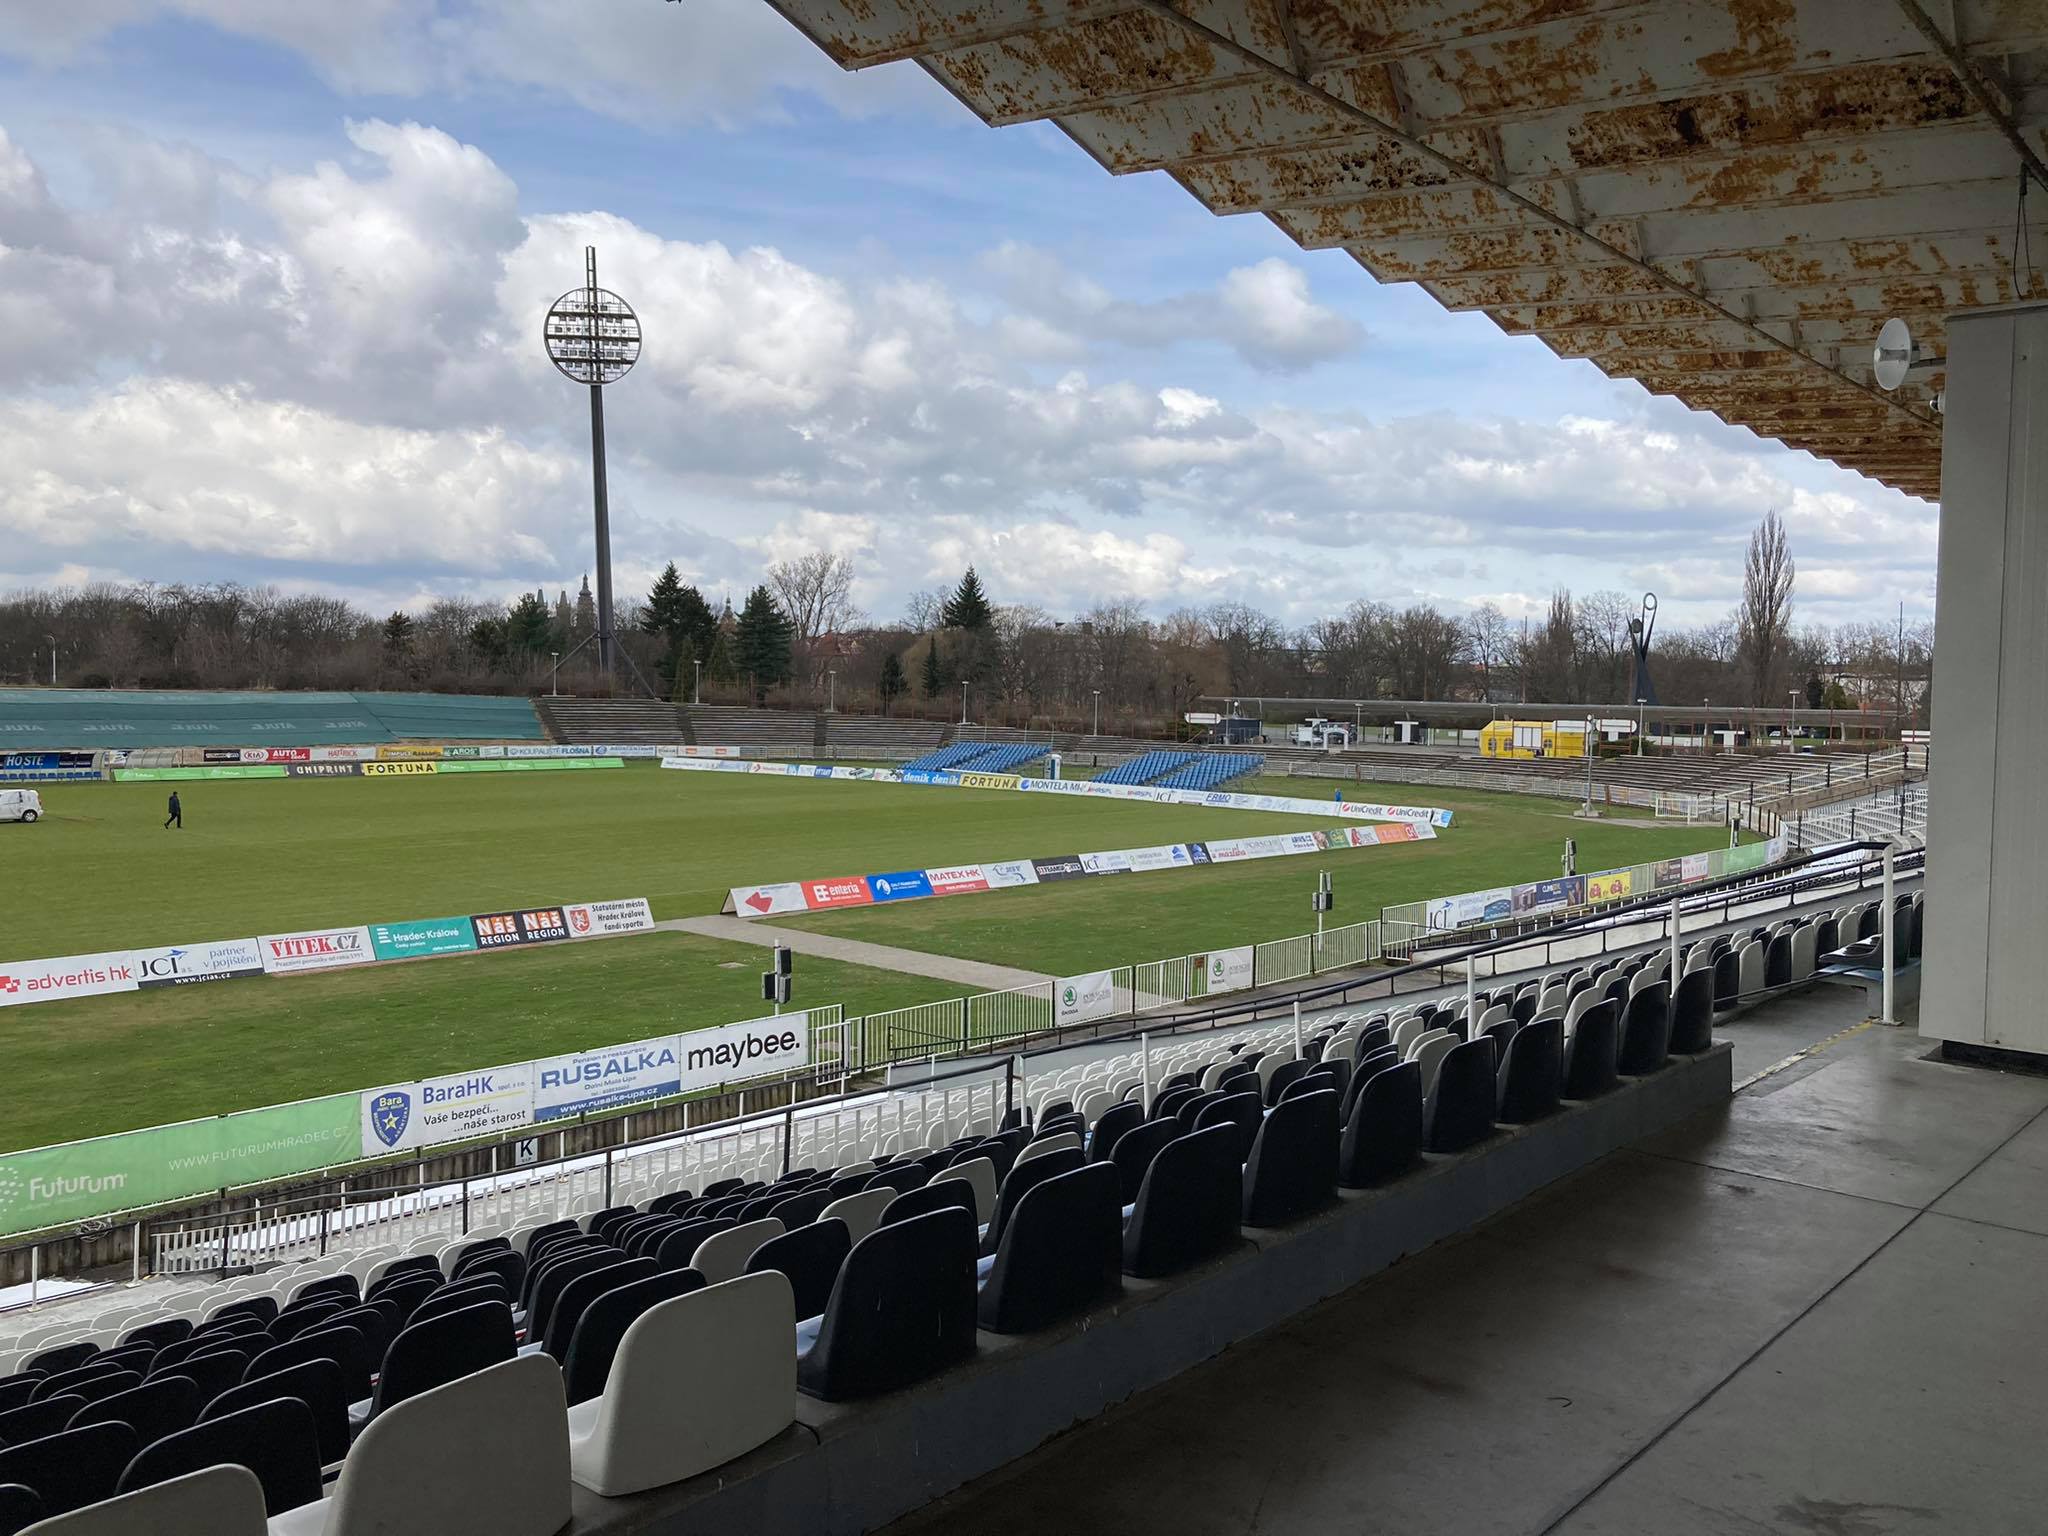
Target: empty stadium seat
577,1296
316,1383
1239,1111
698,1380
1459,1113
486,1454
444,1349
1592,1054
1645,1044
154,1409
1383,1134
1531,1072
605,1321
1061,1253
276,1440
72,1467
1293,1166
903,1308
809,1258
1188,1204
723,1256
215,1501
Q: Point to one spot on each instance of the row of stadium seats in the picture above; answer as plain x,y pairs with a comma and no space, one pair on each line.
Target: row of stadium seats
1211,769
661,1341
951,756
1145,767
1003,757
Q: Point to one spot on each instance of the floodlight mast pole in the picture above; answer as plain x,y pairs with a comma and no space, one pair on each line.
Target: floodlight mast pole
599,499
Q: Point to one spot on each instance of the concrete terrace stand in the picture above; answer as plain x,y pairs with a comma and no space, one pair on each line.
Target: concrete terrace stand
849,1467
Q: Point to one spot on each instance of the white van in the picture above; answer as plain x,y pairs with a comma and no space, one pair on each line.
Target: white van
20,805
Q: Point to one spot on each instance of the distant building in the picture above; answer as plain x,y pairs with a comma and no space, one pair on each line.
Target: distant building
586,609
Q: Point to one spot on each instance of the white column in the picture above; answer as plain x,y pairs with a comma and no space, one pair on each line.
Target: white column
1891,916
1987,901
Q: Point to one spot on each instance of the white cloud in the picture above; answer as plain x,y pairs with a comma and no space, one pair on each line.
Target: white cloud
330,375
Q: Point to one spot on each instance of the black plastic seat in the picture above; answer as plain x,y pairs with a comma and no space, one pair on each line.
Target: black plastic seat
375,1321
1727,980
680,1246
1024,1177
1592,1054
72,1468
399,1269
15,1391
20,1508
153,1410
1383,1133
507,1266
674,1203
277,1440
316,1383
1239,1111
1189,1204
405,1293
345,1347
1111,1124
453,1297
947,1194
1167,1104
443,1349
89,1382
169,1331
1293,1166
647,1236
604,1323
213,1372
298,1320
1646,1032
60,1359
261,1308
599,1223
810,1256
556,1274
1460,1113
36,1420
1692,1021
1061,1253
1531,1073
341,1287
901,1177
903,1309
800,1210
577,1296
1189,1110
1283,1074
1135,1150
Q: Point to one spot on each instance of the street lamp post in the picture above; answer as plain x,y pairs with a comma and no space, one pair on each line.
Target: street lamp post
1791,694
831,690
1641,725
1098,712
697,688
963,701
53,659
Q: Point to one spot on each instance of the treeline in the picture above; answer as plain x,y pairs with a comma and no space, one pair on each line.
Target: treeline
798,638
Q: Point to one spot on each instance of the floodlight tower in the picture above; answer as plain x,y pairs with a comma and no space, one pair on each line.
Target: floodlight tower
593,337
1644,691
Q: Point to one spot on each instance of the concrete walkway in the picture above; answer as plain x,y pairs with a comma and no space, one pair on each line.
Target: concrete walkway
1814,1311
881,957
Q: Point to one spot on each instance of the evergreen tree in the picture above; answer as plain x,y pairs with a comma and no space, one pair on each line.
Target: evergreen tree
968,607
696,627
679,614
893,684
934,670
721,669
663,613
761,642
398,639
530,625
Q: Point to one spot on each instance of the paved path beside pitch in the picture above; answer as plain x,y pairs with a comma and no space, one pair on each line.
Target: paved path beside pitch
882,957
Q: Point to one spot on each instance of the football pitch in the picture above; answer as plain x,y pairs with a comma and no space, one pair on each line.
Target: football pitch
268,856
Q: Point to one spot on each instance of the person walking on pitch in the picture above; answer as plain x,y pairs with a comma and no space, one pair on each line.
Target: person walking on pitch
177,816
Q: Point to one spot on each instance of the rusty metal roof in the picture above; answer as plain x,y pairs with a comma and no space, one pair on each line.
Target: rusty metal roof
1722,199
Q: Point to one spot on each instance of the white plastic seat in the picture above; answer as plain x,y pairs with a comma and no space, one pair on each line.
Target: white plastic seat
723,1255
698,1380
1065,1141
216,1501
486,1455
861,1211
1405,1034
981,1174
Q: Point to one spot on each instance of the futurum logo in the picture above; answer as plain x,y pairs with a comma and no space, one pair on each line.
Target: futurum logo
13,1187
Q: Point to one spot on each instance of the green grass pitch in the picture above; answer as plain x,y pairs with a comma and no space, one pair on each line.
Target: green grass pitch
99,872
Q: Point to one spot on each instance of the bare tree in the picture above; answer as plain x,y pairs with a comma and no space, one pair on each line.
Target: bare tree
921,610
1493,644
1765,618
816,591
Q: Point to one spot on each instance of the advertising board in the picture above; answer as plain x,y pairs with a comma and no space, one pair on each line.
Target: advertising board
735,1052
403,770
316,949
1229,970
903,885
847,891
323,770
1085,998
179,965
1061,866
62,976
426,936
533,925
588,1081
403,1116
1610,885
588,919
956,879
766,900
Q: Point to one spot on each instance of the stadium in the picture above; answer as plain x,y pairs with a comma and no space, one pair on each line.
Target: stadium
622,1066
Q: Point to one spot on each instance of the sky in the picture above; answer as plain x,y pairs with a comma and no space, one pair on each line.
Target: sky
272,277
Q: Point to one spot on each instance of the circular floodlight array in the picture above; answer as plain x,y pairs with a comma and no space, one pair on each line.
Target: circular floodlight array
592,335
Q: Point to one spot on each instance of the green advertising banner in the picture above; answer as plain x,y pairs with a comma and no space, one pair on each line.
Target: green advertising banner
57,1186
232,771
429,936
1749,856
